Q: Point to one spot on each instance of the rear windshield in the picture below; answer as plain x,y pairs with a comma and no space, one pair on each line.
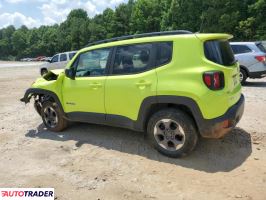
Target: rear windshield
261,47
220,52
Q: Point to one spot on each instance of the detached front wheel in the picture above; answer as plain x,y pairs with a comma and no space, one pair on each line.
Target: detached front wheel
53,117
172,132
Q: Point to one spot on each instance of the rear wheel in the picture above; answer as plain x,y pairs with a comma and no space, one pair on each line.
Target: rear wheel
243,76
172,132
52,117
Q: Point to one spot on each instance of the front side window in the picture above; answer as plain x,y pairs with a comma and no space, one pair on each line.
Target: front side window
55,59
132,59
92,63
63,57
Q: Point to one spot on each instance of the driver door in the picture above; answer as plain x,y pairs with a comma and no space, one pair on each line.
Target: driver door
83,97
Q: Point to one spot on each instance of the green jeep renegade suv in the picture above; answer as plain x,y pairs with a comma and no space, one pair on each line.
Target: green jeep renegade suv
176,86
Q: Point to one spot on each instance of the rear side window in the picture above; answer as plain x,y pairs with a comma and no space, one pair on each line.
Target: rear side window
63,57
132,59
219,51
164,53
261,47
238,49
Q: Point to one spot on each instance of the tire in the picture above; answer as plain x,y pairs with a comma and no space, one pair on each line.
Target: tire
172,132
52,117
243,76
38,107
44,71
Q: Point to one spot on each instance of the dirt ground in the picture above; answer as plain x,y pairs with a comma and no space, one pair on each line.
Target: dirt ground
98,162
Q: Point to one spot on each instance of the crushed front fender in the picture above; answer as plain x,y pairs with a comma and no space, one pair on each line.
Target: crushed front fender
28,94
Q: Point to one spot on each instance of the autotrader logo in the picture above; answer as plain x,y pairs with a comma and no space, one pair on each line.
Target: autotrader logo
27,193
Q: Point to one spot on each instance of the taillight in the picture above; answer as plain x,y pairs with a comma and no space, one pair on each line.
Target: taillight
260,58
214,80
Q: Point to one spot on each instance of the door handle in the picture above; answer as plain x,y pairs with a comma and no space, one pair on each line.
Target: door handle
143,83
95,85
98,84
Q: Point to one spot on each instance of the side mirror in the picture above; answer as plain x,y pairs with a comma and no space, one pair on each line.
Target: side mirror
70,73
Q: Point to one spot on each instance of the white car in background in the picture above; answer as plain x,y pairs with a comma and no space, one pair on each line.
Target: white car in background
58,61
252,59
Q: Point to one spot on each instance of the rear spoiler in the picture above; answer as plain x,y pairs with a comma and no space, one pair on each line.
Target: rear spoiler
213,36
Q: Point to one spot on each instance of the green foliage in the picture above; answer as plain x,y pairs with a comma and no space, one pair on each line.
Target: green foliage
245,19
122,18
146,16
256,24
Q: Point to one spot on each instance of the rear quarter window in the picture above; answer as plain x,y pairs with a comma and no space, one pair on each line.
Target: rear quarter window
164,53
261,47
220,52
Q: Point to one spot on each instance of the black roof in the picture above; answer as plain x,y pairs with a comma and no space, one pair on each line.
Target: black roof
152,34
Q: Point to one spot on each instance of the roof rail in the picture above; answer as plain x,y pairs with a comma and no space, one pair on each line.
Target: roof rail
152,34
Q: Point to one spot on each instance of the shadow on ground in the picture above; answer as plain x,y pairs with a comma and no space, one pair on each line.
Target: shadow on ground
211,155
255,84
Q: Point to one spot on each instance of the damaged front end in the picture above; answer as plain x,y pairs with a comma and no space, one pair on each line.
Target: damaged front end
39,96
47,82
52,75
47,88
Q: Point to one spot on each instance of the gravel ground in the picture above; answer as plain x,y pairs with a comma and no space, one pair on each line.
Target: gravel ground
6,64
99,162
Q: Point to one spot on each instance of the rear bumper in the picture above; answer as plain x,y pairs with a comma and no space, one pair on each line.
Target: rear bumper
218,127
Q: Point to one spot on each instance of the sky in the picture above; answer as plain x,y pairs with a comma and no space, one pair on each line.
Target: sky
34,13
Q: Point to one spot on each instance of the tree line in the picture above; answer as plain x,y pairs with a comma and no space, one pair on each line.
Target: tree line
245,19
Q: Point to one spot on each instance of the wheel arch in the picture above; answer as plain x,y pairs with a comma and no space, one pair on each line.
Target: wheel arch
36,91
152,105
245,69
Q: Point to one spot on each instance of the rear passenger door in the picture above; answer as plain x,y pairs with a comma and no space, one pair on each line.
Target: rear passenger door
131,80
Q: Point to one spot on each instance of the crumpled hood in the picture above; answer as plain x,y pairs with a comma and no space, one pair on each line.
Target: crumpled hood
52,74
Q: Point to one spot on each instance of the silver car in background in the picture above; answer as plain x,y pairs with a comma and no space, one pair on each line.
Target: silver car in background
252,59
264,44
58,61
